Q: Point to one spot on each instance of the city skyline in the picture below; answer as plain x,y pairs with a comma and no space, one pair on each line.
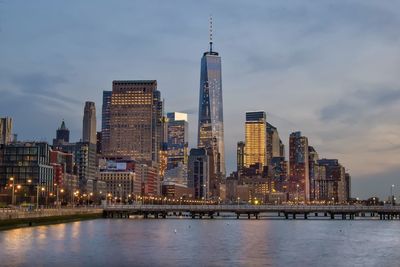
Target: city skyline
328,105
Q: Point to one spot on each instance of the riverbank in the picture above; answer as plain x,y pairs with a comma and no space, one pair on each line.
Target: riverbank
46,218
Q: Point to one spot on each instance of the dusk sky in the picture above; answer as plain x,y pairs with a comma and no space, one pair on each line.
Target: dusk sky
330,69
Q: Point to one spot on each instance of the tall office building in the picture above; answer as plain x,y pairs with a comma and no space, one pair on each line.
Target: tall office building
89,123
135,121
105,120
211,123
62,135
5,130
279,173
273,143
85,155
313,172
199,173
177,136
281,149
335,181
298,182
240,156
256,139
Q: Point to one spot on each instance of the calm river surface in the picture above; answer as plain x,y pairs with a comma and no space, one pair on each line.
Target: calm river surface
185,242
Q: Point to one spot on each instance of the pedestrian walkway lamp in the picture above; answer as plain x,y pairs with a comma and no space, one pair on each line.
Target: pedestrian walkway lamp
391,195
37,195
12,193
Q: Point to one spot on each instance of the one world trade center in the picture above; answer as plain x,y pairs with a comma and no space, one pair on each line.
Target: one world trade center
211,122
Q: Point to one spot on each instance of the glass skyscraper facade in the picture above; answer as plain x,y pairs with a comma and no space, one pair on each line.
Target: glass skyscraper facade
105,120
211,123
177,139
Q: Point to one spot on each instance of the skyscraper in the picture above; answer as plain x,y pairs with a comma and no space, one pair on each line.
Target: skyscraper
199,173
105,120
62,135
85,161
240,156
5,130
273,143
211,123
256,139
89,123
298,182
135,121
335,186
177,138
313,170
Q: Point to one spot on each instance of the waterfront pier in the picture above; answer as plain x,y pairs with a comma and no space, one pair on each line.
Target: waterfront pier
343,212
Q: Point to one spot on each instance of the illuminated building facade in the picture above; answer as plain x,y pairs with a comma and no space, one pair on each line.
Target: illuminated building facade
298,182
135,121
255,138
335,181
28,164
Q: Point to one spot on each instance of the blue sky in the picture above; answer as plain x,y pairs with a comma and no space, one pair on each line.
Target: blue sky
327,68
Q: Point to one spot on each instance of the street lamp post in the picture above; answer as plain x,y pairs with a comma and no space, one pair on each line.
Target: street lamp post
37,196
57,195
120,192
90,197
391,195
297,193
62,197
12,193
29,181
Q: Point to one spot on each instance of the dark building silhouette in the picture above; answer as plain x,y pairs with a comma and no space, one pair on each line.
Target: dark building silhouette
62,135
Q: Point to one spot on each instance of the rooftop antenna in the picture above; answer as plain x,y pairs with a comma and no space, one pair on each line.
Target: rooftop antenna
211,33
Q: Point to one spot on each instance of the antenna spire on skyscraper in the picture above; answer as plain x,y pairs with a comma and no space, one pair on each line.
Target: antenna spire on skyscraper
211,33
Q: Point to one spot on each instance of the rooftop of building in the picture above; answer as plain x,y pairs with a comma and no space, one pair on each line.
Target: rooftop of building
149,82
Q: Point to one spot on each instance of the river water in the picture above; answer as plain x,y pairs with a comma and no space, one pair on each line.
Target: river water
186,242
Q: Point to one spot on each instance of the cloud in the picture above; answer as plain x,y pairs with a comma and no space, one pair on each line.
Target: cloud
39,85
357,105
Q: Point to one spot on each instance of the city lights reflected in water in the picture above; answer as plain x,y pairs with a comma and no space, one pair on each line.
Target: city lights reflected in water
175,242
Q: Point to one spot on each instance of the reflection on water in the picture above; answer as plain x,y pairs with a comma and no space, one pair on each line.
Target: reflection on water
122,242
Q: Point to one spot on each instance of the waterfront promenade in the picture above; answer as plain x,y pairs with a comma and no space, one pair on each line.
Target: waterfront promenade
254,211
7,214
15,218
